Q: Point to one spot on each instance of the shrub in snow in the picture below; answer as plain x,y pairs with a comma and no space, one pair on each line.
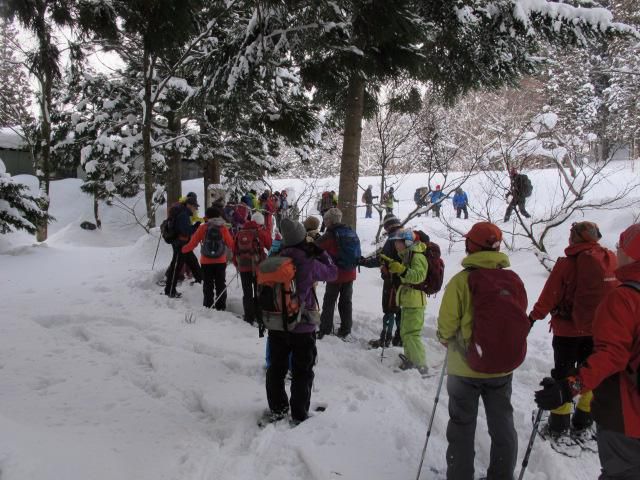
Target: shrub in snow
18,209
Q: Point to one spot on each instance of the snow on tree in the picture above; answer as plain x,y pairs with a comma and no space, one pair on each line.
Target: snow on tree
15,92
18,209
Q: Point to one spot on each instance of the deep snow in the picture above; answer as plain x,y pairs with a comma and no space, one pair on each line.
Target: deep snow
102,378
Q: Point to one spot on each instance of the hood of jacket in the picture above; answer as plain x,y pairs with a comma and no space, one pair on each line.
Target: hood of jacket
486,259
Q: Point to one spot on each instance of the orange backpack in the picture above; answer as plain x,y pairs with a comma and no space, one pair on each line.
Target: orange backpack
277,298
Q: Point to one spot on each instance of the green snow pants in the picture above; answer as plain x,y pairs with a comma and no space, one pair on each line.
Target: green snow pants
411,334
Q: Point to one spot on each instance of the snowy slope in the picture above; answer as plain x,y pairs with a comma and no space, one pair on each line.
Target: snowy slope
102,378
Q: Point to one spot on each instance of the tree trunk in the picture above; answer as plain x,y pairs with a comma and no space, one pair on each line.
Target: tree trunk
43,161
212,173
350,161
174,170
96,211
147,66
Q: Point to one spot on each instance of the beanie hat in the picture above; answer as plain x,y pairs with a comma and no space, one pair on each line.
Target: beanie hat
584,232
630,241
483,236
293,233
333,216
391,221
311,223
258,218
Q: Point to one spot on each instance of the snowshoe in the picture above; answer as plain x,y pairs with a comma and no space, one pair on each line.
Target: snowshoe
561,442
268,417
378,343
409,365
586,438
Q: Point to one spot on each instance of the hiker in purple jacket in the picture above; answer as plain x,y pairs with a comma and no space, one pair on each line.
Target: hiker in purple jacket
312,265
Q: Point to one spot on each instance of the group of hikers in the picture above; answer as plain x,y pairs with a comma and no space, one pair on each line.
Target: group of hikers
520,187
592,294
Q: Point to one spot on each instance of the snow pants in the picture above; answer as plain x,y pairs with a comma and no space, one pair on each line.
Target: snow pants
302,347
459,211
619,456
411,334
568,353
345,308
177,261
464,394
214,281
248,281
520,204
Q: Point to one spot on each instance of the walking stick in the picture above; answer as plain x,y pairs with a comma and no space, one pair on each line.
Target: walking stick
433,414
154,257
532,438
215,300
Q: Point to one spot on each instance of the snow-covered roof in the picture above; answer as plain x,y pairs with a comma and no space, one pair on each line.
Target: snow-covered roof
11,139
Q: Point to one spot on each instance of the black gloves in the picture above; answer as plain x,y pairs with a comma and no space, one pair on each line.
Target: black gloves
555,393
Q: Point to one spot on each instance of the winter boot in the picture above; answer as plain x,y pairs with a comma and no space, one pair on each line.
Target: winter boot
397,340
559,424
581,420
557,432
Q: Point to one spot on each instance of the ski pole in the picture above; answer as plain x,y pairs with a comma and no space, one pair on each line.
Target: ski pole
154,257
433,413
532,438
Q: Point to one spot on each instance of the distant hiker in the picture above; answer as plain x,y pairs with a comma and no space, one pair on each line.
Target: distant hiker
180,224
250,248
483,323
282,208
521,188
215,240
387,200
312,226
300,341
411,270
460,203
390,284
327,201
436,200
367,199
421,197
612,371
241,213
276,244
343,245
573,291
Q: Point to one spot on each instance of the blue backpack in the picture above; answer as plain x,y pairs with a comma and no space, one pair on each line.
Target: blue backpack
348,247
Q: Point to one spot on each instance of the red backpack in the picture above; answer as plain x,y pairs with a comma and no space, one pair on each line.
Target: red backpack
249,251
498,341
435,266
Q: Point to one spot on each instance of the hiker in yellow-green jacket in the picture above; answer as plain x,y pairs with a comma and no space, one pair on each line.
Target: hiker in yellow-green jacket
466,385
411,271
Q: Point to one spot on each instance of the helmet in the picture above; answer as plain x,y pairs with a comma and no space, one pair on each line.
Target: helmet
403,234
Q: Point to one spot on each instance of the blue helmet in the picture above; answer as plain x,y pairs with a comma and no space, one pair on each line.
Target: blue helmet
403,234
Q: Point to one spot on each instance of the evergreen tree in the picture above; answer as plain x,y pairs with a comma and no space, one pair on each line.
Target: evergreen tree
15,92
18,209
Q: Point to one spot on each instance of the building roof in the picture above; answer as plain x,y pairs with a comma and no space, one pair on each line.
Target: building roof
11,139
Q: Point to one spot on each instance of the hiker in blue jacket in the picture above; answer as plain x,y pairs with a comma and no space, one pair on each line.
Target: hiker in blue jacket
436,200
460,202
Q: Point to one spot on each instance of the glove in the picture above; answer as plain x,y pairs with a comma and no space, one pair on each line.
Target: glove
386,259
397,268
531,321
555,393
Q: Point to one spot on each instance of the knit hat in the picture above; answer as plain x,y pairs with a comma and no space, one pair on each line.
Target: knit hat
191,201
311,223
630,241
258,218
584,232
293,233
390,221
333,216
483,236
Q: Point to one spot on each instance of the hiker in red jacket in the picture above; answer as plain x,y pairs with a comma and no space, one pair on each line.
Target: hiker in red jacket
572,293
251,245
214,239
611,371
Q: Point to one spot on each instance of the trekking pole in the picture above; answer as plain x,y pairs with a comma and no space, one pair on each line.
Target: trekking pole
154,257
433,413
532,438
215,300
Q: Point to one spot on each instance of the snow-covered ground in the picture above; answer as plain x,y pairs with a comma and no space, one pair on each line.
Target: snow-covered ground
101,378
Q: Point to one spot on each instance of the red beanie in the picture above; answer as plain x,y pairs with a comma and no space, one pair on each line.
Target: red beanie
483,236
630,241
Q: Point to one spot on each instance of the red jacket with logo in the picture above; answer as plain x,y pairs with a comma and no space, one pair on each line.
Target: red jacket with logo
577,284
616,335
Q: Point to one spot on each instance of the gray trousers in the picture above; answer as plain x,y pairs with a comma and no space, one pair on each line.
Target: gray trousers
345,308
464,394
619,456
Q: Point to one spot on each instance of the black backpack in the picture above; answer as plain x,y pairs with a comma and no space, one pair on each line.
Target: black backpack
167,227
213,245
524,185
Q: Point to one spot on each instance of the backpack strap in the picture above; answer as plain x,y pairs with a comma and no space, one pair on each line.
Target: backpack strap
633,372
